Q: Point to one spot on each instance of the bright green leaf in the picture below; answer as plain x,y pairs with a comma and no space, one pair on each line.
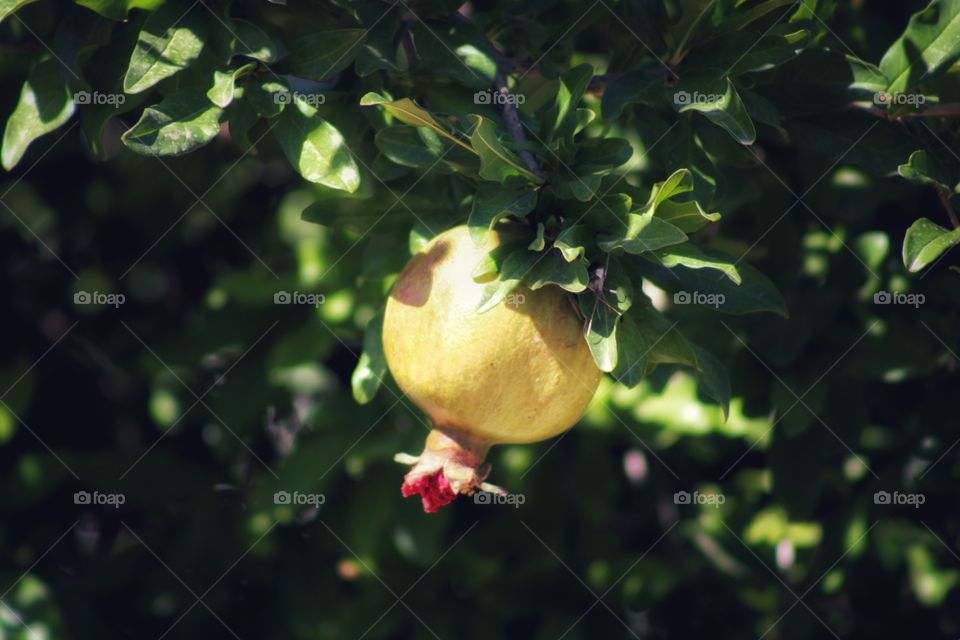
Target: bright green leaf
692,257
409,112
169,42
317,150
600,331
372,366
925,241
45,105
551,268
497,163
181,123
929,45
492,203
719,101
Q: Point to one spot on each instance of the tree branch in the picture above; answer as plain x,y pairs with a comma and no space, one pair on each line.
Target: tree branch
945,201
511,119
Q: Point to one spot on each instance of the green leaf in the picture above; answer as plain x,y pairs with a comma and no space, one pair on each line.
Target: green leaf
378,53
118,9
492,203
497,163
372,366
268,96
8,7
712,379
44,106
601,155
169,42
692,257
582,187
631,87
688,216
515,266
925,241
181,123
767,50
409,112
317,150
667,344
224,83
250,41
320,55
551,268
739,21
600,331
645,233
633,348
877,146
926,169
718,100
491,265
410,146
929,45
540,242
678,183
561,117
755,293
572,242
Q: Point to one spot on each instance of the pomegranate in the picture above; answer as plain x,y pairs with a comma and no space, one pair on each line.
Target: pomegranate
518,373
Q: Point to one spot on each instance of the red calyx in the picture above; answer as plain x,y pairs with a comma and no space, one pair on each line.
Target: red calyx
434,490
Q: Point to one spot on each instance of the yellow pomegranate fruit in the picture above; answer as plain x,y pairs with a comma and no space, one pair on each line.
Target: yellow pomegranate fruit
520,372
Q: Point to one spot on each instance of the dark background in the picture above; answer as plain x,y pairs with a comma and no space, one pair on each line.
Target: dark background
104,399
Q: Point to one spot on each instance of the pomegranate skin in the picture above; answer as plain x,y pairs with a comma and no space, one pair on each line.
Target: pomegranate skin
518,373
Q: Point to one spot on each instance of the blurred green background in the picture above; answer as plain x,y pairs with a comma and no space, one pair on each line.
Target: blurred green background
198,398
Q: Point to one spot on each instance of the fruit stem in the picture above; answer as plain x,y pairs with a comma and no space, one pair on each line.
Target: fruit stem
451,463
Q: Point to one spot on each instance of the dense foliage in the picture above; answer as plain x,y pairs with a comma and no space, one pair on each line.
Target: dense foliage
750,203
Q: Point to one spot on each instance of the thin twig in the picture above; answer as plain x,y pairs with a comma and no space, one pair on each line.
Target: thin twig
511,119
945,201
940,110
